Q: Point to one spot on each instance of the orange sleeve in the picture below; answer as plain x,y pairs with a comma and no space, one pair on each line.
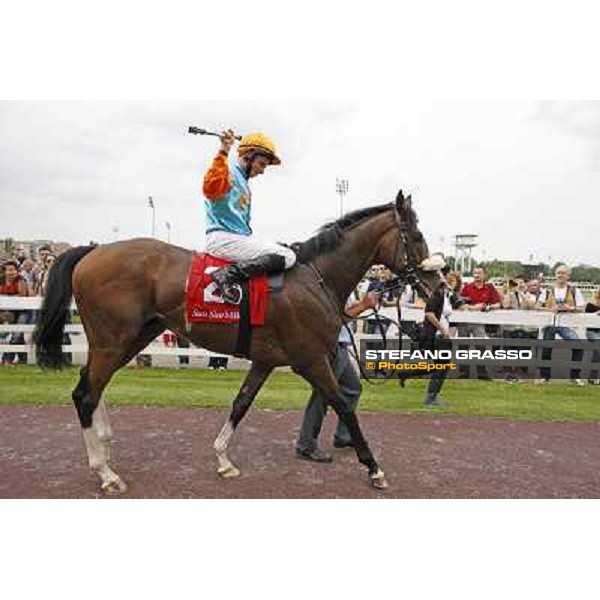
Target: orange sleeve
217,181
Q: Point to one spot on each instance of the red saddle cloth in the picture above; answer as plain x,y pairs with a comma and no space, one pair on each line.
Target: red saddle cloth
203,302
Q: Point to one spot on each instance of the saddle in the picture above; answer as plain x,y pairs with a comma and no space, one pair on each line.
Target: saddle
204,303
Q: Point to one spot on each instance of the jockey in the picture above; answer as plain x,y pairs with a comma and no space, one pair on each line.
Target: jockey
227,204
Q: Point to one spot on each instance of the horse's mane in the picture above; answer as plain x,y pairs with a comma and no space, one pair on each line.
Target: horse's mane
331,235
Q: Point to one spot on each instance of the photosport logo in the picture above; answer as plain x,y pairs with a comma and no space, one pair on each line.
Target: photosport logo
493,358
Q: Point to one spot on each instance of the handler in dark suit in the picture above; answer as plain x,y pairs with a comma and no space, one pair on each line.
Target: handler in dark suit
307,446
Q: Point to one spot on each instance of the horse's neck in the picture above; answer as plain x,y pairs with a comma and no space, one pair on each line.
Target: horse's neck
344,267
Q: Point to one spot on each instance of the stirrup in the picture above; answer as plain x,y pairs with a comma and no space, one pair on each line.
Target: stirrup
231,294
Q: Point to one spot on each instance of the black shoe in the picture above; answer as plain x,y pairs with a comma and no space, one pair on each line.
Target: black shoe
316,455
434,401
343,444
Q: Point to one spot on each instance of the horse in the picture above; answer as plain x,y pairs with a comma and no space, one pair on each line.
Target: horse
127,293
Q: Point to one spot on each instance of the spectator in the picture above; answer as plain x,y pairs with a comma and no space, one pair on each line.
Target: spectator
479,296
515,298
535,296
377,277
562,298
43,252
21,256
593,335
455,283
27,271
14,285
42,279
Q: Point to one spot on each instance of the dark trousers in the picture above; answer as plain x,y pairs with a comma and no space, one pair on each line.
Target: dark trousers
593,335
429,341
184,359
315,412
478,332
564,333
218,362
22,317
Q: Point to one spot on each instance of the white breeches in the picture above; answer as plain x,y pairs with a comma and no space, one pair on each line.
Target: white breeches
231,246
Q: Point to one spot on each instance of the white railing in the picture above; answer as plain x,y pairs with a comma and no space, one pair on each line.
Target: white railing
79,343
525,318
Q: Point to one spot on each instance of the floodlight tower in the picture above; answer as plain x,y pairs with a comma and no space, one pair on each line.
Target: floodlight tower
153,209
341,187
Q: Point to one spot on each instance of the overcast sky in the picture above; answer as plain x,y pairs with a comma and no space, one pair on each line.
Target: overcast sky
523,175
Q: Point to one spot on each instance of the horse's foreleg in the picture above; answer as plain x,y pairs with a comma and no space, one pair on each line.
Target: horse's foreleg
255,379
321,376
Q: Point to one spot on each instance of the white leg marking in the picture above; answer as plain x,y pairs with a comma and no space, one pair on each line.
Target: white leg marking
97,442
226,468
101,425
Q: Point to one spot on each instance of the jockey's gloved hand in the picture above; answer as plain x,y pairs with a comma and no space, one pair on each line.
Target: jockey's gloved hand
227,140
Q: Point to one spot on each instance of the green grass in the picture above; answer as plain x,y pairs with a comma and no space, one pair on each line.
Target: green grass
286,391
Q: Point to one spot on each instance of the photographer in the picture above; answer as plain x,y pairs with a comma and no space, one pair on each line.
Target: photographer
435,335
378,277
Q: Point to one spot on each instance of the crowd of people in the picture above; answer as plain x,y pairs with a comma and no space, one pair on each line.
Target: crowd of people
22,275
517,293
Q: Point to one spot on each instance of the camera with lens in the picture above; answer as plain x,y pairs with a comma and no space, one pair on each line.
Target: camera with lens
456,301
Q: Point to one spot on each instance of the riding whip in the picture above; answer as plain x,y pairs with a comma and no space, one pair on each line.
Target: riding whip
200,131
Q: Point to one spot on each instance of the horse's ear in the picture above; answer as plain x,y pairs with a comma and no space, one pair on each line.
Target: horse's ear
403,204
400,200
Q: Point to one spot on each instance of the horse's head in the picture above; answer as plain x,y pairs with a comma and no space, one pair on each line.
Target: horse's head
404,250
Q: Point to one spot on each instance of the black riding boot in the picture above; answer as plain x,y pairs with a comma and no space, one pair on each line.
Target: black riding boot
228,278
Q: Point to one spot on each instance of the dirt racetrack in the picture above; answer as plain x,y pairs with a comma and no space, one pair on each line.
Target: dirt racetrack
167,453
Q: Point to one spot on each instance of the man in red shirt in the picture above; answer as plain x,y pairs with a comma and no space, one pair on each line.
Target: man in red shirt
480,296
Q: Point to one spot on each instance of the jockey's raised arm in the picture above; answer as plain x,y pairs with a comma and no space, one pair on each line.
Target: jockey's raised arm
228,202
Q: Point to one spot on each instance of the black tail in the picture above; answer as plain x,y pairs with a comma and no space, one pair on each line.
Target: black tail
48,334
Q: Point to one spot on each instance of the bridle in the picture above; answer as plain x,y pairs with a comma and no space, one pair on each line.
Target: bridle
409,273
406,275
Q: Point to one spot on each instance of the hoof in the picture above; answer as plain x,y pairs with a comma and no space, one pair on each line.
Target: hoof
114,488
378,480
229,472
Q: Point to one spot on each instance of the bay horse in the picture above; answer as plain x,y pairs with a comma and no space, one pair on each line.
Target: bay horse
128,292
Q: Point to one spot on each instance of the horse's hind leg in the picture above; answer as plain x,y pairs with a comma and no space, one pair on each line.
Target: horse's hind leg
88,399
254,380
97,432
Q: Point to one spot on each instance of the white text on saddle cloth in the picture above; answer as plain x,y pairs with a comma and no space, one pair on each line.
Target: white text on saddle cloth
215,314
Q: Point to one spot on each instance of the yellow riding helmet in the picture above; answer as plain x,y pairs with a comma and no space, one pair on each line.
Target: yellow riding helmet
258,142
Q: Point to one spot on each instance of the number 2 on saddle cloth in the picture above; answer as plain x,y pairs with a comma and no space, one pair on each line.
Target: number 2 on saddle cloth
204,303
